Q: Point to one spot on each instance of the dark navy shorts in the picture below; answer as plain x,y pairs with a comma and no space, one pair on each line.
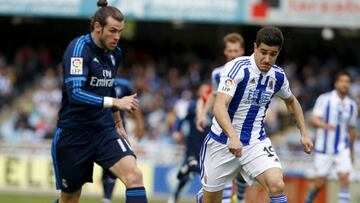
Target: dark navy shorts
75,151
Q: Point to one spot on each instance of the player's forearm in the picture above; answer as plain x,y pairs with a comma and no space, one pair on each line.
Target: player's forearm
200,106
117,117
209,103
296,110
138,118
81,97
222,117
318,122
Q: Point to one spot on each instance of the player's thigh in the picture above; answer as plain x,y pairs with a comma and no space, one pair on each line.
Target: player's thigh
258,159
271,178
128,172
116,155
72,154
111,147
218,165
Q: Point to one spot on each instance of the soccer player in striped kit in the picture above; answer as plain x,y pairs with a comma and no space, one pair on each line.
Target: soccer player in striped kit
237,141
90,127
334,116
234,47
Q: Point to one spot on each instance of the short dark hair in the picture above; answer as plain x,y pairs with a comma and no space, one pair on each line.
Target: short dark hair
102,14
233,38
271,36
342,73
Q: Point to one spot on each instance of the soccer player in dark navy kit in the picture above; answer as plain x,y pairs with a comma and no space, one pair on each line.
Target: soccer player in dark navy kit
90,127
123,88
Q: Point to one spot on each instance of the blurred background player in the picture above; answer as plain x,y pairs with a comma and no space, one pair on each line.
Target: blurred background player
234,47
237,141
88,129
334,116
122,88
193,142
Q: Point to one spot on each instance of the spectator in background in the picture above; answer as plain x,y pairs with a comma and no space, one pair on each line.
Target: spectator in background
6,85
47,100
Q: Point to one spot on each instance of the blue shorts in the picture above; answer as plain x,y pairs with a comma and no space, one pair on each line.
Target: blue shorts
75,151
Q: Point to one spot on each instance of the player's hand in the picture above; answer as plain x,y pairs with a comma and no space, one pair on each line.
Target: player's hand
127,103
307,143
235,146
201,122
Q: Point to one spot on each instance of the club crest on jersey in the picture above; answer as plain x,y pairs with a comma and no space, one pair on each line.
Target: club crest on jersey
76,66
271,84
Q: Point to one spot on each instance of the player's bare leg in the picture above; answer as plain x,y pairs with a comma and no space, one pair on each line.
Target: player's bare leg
344,193
272,181
73,197
212,197
128,172
315,188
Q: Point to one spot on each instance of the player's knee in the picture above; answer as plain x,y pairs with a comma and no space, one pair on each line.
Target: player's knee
277,187
133,179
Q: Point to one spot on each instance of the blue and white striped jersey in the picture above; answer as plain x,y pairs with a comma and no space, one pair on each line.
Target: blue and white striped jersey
89,75
215,78
339,113
251,92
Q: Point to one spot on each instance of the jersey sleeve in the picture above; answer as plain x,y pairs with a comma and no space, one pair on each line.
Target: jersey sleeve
320,106
230,78
284,91
123,87
353,114
76,70
215,80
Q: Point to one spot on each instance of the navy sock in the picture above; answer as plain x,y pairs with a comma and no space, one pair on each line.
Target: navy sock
311,196
179,187
136,195
278,199
108,186
240,187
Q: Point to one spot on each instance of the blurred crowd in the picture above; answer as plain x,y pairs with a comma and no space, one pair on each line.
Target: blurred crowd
165,85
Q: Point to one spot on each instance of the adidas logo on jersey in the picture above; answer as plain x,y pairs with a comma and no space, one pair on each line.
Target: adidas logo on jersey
96,60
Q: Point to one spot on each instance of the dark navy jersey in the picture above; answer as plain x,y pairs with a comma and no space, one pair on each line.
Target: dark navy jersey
89,75
123,87
195,138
